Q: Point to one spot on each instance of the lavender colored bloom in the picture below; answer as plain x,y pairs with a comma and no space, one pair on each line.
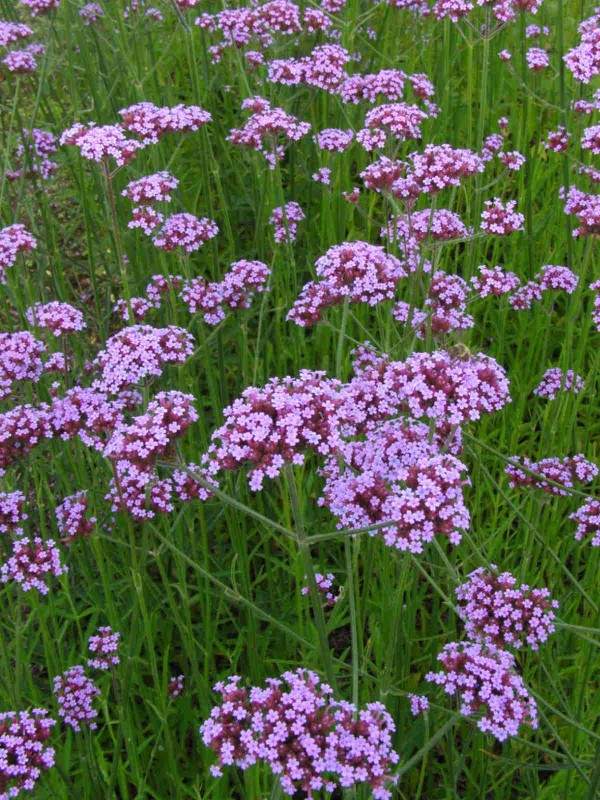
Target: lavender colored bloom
71,518
497,611
175,687
151,188
24,754
325,587
285,222
152,122
500,218
104,646
555,381
309,740
186,231
100,143
58,318
486,681
19,360
587,518
419,704
31,563
75,693
566,472
11,512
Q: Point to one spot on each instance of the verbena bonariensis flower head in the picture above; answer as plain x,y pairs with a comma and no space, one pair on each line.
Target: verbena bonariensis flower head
584,59
387,83
146,218
11,32
24,753
396,475
334,140
186,231
100,143
435,169
558,140
360,271
104,645
91,13
441,387
58,318
151,434
31,563
556,278
399,121
419,704
75,693
487,684
38,7
495,281
275,425
71,518
325,587
13,240
11,512
20,360
525,296
587,518
33,154
266,128
586,207
151,122
21,429
175,687
434,225
235,290
554,381
566,472
537,59
151,188
137,490
139,352
311,741
323,68
497,611
500,219
284,220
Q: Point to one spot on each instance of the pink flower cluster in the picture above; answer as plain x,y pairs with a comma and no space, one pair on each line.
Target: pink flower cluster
265,129
309,740
31,563
583,61
323,68
11,512
151,188
91,13
33,154
152,122
398,120
101,143
500,219
234,291
104,646
186,231
362,272
566,472
325,587
587,518
285,222
13,240
38,7
75,693
445,307
20,360
496,611
387,83
269,427
11,32
558,140
334,140
486,680
494,281
175,687
24,753
554,381
537,59
586,207
418,704
58,318
71,518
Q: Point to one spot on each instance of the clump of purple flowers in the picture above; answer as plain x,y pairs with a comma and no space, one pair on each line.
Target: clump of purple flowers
24,753
284,220
20,360
325,587
71,518
13,240
566,472
555,381
175,687
500,218
186,231
485,679
75,693
587,518
497,611
309,740
31,563
58,318
104,647
11,512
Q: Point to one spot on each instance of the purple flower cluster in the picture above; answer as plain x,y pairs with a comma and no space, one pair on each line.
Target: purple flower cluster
101,143
31,563
359,271
11,512
309,740
234,291
75,693
566,472
587,518
334,140
38,7
583,61
498,612
494,281
554,381
104,646
586,207
33,154
21,360
186,231
265,128
58,318
537,59
500,219
397,120
151,188
11,32
152,122
175,687
325,587
323,68
24,754
487,683
418,704
285,222
13,240
71,518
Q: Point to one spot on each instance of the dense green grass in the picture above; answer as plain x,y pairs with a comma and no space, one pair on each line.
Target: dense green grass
214,590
